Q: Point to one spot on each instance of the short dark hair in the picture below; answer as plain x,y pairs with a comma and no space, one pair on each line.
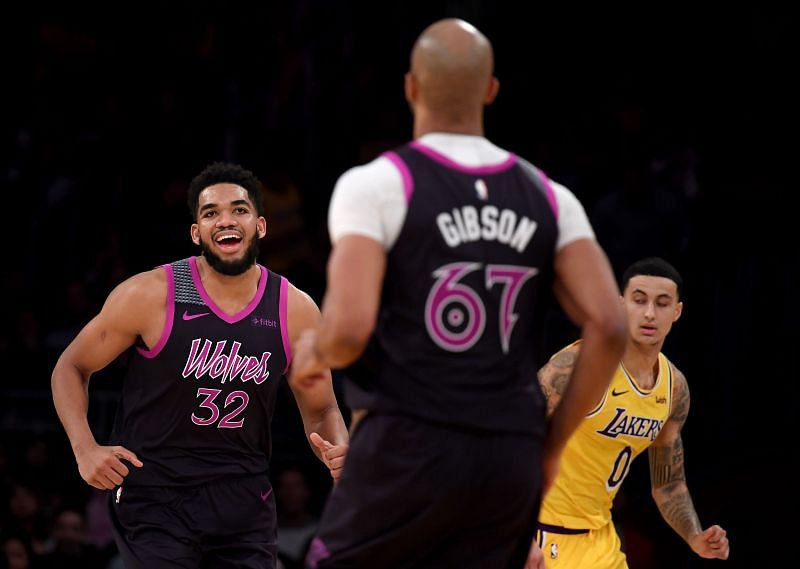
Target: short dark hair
652,267
224,173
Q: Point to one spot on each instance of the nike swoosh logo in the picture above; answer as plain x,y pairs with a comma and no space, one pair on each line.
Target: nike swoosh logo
614,392
187,316
265,495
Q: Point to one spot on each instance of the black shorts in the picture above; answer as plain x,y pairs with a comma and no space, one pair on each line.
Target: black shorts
416,494
226,524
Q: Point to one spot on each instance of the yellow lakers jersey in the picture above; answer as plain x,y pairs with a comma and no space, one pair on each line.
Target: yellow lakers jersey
598,456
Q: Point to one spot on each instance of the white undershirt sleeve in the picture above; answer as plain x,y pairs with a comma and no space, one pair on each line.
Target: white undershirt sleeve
368,200
573,223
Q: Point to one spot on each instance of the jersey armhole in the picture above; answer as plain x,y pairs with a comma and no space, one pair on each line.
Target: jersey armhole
169,317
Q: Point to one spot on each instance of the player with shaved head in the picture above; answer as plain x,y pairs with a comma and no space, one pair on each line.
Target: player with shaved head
446,252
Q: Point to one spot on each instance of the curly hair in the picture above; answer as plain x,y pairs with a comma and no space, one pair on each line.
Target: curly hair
224,173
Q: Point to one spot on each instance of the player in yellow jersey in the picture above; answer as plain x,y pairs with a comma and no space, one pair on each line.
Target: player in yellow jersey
644,407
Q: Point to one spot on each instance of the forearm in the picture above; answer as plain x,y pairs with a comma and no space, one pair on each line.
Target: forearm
336,348
71,400
676,507
329,424
599,357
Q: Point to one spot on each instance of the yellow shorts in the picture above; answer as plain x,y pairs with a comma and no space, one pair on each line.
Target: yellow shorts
586,549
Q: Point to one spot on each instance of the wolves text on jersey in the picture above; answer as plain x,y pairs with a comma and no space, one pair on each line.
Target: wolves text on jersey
225,367
465,224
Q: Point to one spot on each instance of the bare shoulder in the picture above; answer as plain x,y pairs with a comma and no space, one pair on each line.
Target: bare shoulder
555,375
140,290
303,312
565,359
139,297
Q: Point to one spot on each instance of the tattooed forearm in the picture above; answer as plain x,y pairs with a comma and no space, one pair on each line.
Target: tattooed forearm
678,510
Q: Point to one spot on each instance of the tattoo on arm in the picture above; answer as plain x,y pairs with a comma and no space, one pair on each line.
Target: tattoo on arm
678,510
680,405
667,473
554,378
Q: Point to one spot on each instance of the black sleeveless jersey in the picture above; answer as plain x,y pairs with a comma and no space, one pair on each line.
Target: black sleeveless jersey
464,297
197,406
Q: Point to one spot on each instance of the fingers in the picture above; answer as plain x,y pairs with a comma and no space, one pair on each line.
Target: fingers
102,468
715,543
125,454
320,443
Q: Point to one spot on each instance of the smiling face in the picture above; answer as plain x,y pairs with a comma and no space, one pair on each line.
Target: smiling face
228,228
652,306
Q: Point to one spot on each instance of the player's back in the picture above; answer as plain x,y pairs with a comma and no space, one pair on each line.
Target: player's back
463,295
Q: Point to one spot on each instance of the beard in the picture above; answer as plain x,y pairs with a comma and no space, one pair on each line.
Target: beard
235,267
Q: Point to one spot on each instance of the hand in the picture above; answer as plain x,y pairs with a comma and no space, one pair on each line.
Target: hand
102,466
535,557
712,543
332,455
306,366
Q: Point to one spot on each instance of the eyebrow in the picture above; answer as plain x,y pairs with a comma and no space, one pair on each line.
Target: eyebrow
234,202
662,295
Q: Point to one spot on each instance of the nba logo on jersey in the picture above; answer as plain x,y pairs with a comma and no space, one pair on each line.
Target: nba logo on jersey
553,550
481,189
119,493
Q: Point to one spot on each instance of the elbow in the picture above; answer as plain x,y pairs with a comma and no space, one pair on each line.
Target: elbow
345,338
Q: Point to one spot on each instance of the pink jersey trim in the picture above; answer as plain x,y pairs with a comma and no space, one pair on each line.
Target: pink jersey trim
480,170
408,179
551,194
284,316
229,318
170,315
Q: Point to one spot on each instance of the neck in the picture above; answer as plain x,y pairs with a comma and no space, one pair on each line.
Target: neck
641,360
425,123
212,277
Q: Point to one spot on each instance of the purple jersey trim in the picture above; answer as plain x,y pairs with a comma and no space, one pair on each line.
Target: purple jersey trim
408,180
230,319
442,159
284,316
317,552
551,194
170,315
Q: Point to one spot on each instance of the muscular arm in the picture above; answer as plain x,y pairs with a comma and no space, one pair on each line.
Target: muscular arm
135,308
667,477
355,278
316,399
668,480
586,288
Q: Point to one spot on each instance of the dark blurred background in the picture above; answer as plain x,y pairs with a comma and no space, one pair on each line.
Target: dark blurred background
673,125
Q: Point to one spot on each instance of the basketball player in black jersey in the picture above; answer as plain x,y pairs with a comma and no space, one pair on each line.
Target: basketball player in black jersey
445,252
209,338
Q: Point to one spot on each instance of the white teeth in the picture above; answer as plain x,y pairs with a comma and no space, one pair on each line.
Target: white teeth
224,237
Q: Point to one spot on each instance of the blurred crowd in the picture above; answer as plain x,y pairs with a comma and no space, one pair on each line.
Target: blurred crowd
107,125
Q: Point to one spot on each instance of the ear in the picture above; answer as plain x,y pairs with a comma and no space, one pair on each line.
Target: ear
678,311
194,233
411,88
262,227
491,91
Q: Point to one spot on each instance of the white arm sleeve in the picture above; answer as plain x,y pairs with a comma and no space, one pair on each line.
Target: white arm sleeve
368,200
573,224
